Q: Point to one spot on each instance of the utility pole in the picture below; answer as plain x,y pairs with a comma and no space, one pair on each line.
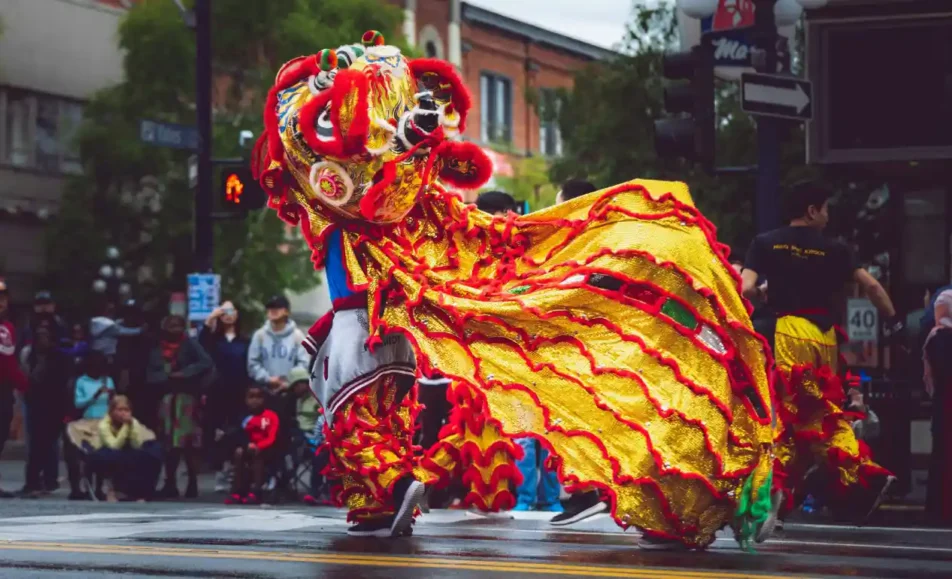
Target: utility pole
767,204
204,232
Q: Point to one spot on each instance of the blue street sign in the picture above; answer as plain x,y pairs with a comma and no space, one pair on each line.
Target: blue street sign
204,295
168,135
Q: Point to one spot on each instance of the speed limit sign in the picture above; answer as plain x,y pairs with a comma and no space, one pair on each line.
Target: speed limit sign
862,321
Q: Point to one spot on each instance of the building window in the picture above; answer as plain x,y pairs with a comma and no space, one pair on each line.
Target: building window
550,136
39,131
495,100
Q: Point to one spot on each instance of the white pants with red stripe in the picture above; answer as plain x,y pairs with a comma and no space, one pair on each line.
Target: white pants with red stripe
344,364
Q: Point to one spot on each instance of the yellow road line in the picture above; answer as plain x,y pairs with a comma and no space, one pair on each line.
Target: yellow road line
381,561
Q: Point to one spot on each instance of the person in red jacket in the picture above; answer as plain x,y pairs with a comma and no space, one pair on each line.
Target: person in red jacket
256,451
11,377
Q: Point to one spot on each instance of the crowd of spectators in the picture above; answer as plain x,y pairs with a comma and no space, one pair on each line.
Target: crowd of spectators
120,402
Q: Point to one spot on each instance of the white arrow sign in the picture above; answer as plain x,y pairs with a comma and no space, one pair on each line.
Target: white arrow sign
777,96
795,98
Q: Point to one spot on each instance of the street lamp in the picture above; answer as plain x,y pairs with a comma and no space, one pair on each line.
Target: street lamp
698,8
110,278
787,12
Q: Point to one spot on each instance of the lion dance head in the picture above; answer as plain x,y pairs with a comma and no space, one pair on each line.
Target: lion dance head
362,130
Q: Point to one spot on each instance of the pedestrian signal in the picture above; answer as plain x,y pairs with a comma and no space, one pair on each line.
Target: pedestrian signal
239,191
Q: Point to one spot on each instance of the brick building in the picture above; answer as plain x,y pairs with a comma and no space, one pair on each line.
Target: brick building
54,54
502,60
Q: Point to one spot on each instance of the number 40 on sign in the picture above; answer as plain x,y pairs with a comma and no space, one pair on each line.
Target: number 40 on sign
862,321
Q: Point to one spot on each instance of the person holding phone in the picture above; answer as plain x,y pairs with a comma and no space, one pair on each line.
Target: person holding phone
223,339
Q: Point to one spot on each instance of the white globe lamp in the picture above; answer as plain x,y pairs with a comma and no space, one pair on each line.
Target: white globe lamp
125,289
99,286
105,271
813,4
112,253
120,272
787,12
698,8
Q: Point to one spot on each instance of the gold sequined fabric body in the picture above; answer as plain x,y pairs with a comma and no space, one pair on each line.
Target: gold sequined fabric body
610,328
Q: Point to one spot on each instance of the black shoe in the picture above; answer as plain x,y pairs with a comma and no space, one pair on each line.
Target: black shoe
652,542
379,527
770,524
580,507
407,496
191,492
6,495
51,487
78,496
878,489
169,492
29,492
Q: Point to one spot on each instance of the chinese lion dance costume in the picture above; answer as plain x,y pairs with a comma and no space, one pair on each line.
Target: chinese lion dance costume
652,388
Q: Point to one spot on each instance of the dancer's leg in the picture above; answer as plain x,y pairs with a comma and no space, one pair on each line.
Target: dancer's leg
371,456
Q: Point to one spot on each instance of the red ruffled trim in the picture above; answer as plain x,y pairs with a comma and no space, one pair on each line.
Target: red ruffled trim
468,419
502,501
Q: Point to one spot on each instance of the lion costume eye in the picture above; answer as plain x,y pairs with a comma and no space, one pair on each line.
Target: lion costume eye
324,127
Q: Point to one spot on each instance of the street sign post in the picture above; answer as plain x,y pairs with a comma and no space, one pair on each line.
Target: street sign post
770,95
168,135
204,295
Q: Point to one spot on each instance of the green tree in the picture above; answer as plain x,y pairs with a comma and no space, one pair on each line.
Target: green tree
530,182
607,128
136,197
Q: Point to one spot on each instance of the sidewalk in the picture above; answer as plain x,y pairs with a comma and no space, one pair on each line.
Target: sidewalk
12,479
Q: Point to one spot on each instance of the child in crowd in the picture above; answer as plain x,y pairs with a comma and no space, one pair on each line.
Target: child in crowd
78,347
94,388
91,403
123,458
257,448
310,427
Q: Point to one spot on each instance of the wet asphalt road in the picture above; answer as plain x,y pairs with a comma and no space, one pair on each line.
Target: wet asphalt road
60,539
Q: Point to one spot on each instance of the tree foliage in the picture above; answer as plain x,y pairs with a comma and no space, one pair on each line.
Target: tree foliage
607,128
530,182
136,197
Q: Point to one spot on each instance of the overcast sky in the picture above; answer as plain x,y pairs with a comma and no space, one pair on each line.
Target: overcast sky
600,22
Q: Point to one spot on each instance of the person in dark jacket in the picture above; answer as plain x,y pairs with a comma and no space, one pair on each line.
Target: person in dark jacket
11,376
178,367
48,371
44,312
222,338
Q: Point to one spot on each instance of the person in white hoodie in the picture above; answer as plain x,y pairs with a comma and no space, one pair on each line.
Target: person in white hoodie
276,347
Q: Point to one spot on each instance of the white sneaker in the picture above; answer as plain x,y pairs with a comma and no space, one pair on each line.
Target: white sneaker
221,482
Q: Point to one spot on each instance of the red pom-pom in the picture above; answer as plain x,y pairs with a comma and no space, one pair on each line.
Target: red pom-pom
465,165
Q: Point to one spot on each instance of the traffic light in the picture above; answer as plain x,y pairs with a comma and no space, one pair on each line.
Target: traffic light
238,190
690,134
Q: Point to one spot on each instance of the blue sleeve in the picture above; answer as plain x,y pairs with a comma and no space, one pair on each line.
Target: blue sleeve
334,267
83,396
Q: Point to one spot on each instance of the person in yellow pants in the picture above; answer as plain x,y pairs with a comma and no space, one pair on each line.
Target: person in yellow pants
806,272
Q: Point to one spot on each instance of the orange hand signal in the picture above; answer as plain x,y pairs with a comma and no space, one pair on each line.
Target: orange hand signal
233,189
